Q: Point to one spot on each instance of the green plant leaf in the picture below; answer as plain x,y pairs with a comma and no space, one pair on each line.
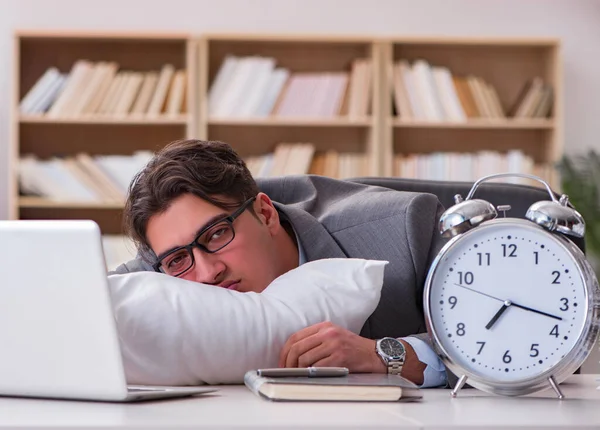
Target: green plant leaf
580,180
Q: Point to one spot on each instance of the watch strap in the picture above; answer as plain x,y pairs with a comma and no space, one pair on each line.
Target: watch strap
395,367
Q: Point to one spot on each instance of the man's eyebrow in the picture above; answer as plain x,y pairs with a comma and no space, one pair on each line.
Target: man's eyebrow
211,220
208,222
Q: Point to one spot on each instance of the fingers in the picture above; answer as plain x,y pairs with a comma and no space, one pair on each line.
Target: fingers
297,337
329,361
326,344
307,352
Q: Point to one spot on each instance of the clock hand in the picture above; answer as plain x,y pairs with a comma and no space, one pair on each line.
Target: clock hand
537,312
479,292
498,314
512,303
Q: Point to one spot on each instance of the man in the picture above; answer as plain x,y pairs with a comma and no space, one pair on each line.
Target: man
196,212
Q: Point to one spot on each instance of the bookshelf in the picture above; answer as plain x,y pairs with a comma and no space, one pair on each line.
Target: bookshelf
379,132
97,133
252,136
506,64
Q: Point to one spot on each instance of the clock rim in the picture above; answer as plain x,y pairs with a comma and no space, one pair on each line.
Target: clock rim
565,366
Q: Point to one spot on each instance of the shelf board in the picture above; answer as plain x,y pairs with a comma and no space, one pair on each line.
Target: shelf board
501,124
43,203
479,41
161,120
102,35
289,37
341,121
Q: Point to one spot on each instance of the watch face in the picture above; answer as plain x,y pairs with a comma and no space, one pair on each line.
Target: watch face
392,347
507,301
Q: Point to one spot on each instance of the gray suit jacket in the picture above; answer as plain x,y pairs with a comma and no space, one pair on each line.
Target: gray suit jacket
336,218
343,219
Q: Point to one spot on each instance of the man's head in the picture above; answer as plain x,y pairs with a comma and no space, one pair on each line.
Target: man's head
195,212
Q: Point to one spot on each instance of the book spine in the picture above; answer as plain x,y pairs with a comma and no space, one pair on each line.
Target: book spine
253,381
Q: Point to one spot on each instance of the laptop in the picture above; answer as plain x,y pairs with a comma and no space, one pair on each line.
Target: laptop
58,335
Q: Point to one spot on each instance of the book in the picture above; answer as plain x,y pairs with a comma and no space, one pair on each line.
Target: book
174,104
74,84
128,94
39,88
400,93
408,78
465,96
545,104
525,103
157,102
146,91
49,95
108,73
426,91
356,387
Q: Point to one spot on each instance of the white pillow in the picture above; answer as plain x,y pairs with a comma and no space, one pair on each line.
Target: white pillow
178,332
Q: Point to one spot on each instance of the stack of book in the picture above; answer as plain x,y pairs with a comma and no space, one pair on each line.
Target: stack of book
255,87
452,166
101,89
83,178
430,93
340,165
534,100
286,159
106,178
301,158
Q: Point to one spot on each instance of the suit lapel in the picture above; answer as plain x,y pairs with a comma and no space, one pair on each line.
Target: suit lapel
314,238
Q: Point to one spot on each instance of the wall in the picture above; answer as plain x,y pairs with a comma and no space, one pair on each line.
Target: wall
576,22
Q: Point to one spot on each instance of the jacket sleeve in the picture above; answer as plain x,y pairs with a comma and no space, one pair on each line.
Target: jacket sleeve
136,265
451,378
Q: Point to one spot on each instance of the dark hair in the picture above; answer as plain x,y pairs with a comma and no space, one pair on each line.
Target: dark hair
210,170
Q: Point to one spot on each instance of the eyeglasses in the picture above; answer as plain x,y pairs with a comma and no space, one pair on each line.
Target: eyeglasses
211,239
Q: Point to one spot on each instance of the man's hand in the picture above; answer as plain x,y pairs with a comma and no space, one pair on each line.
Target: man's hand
326,344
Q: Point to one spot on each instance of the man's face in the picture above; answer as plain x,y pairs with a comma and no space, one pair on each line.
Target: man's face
249,263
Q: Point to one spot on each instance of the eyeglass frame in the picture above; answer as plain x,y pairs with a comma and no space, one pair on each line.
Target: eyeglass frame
229,219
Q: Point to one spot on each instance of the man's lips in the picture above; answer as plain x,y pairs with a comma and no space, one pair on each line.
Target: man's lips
230,285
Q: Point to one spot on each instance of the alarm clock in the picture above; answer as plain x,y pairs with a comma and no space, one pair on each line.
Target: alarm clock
511,305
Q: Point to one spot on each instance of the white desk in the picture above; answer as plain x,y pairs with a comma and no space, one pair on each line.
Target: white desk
235,407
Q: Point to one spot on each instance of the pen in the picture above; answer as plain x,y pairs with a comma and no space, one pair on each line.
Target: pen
311,372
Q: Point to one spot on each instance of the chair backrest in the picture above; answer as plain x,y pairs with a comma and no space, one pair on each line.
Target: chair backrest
519,197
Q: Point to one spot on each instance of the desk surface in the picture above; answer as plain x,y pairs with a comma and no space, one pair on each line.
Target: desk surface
235,407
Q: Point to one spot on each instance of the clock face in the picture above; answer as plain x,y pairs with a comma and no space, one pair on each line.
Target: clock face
507,301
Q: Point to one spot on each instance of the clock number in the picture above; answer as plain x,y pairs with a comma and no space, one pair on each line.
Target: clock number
536,256
482,344
460,329
565,306
468,278
481,256
556,274
452,300
506,358
534,351
554,331
509,250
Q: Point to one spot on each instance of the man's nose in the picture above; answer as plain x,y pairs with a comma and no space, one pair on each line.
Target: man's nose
208,268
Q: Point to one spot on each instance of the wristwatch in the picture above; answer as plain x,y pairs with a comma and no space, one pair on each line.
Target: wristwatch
392,353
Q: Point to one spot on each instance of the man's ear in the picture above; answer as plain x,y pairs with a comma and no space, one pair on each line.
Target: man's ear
266,213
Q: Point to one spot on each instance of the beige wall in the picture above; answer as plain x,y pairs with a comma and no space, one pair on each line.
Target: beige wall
576,22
